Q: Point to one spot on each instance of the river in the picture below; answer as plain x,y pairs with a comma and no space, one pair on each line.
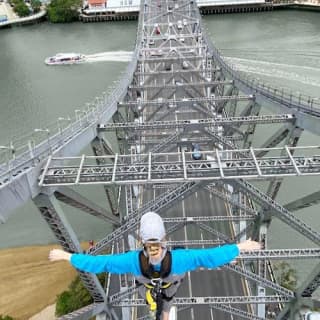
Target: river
281,47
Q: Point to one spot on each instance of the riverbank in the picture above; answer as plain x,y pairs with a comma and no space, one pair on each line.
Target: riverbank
29,283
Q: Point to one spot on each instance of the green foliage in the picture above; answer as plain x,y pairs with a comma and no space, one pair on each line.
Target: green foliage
36,5
5,317
64,10
286,275
21,9
75,298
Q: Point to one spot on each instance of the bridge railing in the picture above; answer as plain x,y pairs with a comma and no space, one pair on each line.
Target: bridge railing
296,101
35,16
285,97
21,154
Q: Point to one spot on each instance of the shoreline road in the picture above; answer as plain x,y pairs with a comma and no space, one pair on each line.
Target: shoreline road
5,9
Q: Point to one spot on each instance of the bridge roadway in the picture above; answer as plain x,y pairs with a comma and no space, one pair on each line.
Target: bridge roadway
20,173
218,283
200,283
159,65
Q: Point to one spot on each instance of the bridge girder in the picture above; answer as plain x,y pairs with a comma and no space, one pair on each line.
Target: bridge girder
204,85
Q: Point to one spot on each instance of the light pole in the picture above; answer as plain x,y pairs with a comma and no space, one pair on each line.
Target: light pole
12,149
60,119
78,111
47,131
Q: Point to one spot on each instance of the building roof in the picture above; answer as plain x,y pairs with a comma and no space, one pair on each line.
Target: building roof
96,2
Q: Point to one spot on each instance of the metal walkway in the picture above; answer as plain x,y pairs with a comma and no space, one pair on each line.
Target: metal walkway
185,124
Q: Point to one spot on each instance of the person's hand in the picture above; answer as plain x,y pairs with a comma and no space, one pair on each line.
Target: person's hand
58,254
249,245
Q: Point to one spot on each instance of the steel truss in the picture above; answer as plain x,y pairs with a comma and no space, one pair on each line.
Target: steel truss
219,165
236,311
181,89
100,148
76,200
85,312
199,123
208,300
53,214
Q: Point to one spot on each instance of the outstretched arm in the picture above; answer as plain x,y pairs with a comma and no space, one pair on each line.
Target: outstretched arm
121,263
249,245
58,254
184,260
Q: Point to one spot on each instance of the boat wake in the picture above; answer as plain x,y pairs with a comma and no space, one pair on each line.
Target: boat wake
115,56
302,74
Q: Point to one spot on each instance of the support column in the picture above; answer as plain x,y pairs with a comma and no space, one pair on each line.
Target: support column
100,147
291,141
251,128
262,272
51,211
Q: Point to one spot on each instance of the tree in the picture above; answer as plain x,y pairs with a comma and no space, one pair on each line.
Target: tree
36,5
64,10
21,9
5,317
286,275
75,298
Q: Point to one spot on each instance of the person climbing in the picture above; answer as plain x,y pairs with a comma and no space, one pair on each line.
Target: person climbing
158,270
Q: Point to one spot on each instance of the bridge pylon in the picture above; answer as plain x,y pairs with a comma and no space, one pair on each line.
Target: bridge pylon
186,125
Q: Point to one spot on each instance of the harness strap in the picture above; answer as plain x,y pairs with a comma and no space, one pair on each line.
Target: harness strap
164,285
147,269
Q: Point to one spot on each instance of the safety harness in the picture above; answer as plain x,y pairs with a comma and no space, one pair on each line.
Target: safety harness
154,294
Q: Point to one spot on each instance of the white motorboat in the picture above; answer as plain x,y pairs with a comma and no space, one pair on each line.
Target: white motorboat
65,58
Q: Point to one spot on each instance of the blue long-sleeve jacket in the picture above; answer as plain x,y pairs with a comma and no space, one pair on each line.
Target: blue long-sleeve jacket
183,260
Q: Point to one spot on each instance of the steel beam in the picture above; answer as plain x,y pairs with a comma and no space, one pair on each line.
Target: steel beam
278,211
100,148
235,311
51,211
304,202
174,86
178,301
196,123
162,202
217,165
291,141
260,280
76,200
84,313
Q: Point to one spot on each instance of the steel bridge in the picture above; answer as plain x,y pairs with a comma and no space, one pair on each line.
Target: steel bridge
185,124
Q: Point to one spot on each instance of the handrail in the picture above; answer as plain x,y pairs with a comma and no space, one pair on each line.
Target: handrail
36,16
306,104
21,157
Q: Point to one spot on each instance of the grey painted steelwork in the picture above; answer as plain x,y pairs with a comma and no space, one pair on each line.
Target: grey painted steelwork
164,202
235,311
210,300
18,177
54,216
261,280
85,313
281,254
178,86
76,200
157,168
199,123
100,148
